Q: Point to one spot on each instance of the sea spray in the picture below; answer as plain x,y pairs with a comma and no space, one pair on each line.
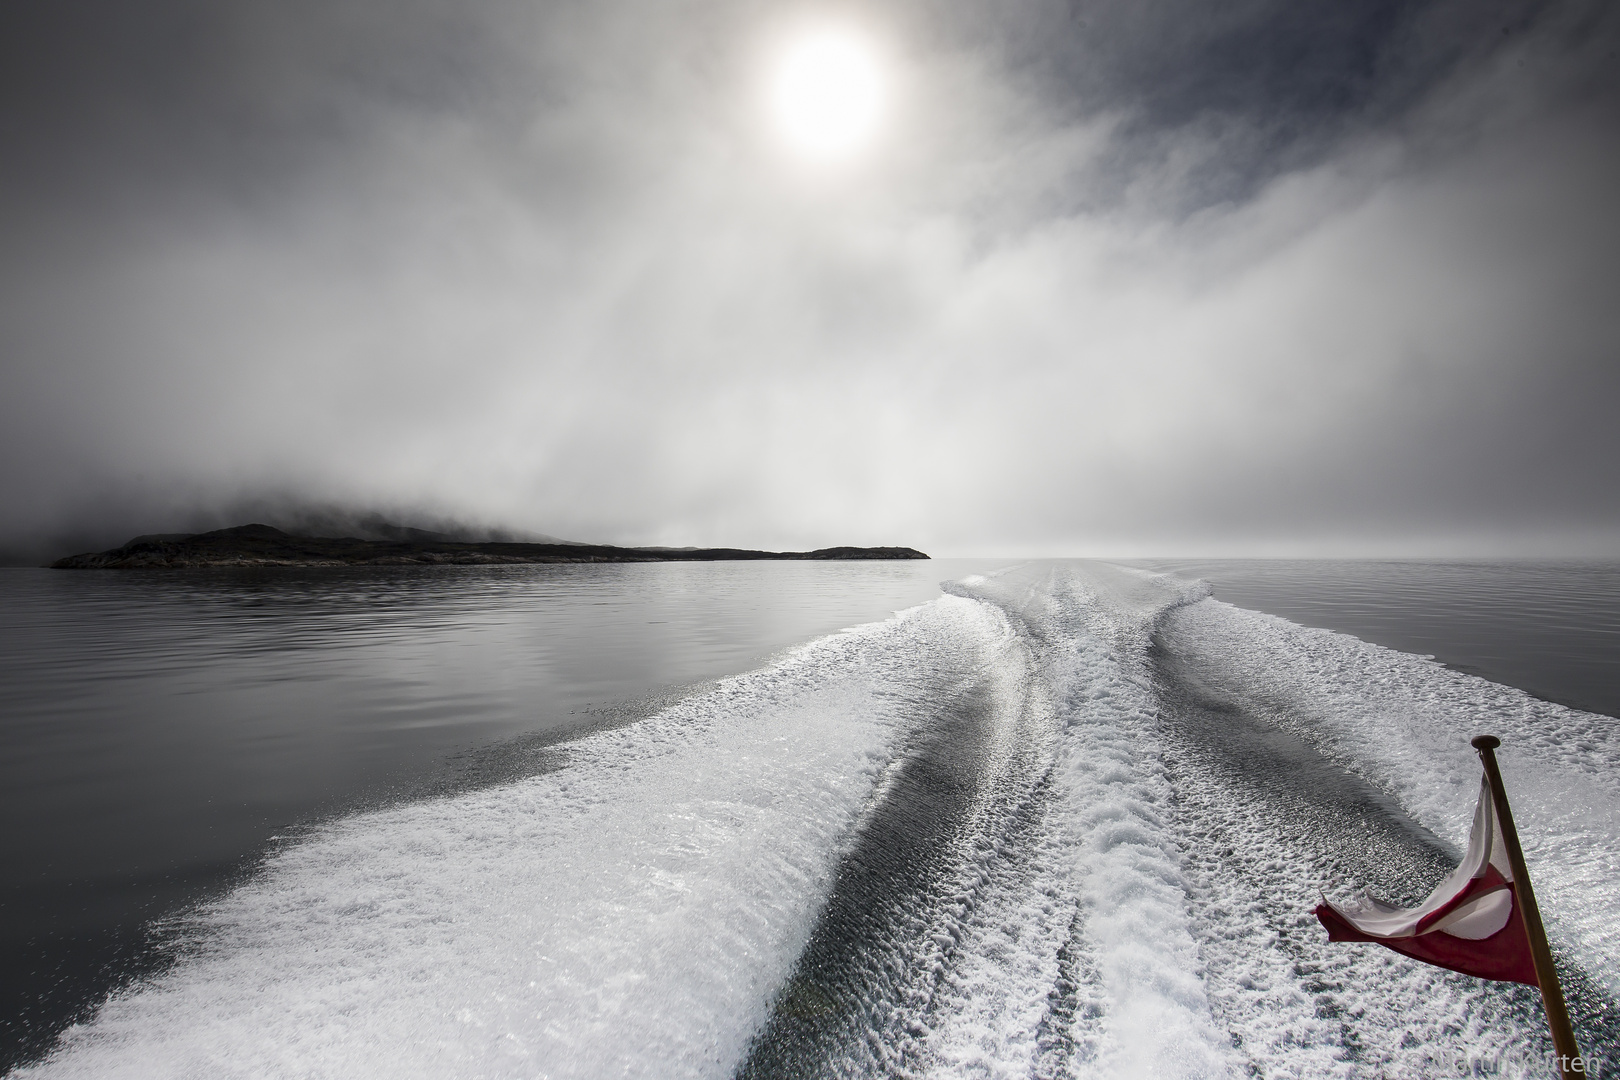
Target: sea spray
1136,791
634,911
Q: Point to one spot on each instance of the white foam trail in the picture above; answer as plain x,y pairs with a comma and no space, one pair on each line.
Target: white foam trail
636,911
1404,723
1101,912
629,914
1183,960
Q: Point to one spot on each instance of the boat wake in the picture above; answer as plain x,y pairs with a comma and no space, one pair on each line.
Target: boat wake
1069,820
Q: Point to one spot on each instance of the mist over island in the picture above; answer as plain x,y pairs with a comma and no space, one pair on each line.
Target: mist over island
266,546
1047,277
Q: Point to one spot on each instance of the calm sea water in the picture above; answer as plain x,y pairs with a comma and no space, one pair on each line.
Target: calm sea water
161,733
160,728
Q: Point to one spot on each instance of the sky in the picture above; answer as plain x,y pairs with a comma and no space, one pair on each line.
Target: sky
1101,277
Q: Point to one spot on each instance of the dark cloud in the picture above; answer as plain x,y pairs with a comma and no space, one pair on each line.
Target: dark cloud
1158,274
1250,89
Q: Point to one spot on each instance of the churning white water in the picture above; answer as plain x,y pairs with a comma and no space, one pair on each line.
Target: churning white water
1069,820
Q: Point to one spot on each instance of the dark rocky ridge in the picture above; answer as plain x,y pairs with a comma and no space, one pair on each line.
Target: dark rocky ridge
262,545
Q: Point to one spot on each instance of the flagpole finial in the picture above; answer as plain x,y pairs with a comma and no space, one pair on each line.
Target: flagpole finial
1485,742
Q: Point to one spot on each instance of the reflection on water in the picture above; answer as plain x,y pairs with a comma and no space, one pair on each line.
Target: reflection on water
159,728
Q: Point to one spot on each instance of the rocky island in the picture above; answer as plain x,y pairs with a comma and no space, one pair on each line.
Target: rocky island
263,545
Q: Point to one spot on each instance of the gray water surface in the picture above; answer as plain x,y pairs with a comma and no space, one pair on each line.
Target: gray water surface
159,729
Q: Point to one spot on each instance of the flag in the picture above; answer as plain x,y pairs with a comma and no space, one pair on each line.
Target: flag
1471,922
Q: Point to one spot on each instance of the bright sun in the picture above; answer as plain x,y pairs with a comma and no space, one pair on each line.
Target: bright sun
828,95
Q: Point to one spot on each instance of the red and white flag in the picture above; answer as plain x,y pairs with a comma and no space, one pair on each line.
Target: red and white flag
1470,923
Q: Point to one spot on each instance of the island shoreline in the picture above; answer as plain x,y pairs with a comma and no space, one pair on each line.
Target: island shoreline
263,546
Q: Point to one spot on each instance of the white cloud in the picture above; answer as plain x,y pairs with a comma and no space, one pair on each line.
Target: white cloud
595,305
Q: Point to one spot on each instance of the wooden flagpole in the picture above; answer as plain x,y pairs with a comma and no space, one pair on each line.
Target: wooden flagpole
1552,995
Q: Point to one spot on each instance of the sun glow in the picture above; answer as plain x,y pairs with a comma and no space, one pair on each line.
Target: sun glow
828,95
